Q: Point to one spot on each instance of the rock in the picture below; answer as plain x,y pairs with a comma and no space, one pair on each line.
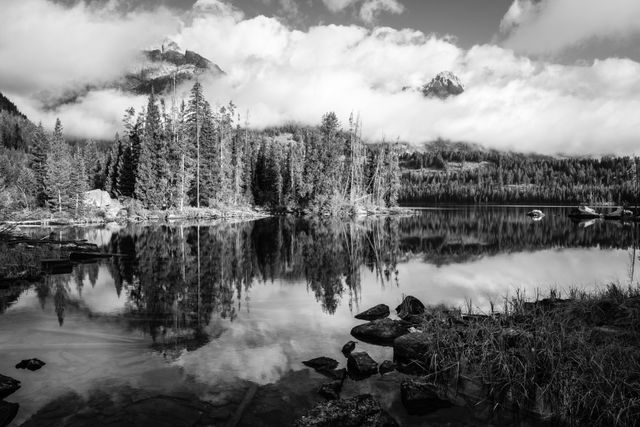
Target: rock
421,398
348,347
410,306
361,365
321,363
8,412
414,319
359,411
382,331
334,374
331,390
380,311
8,386
101,200
443,85
30,364
412,352
386,366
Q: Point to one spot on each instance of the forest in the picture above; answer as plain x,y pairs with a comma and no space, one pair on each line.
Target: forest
450,173
194,155
176,156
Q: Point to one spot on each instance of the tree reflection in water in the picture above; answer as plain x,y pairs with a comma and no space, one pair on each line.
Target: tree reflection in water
176,278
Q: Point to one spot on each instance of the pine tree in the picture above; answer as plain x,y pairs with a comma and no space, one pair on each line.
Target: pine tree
58,171
39,163
194,117
79,181
152,180
113,167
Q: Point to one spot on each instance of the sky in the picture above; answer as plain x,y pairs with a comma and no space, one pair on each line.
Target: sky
546,76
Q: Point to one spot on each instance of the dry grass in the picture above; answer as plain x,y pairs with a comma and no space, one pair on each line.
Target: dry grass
575,360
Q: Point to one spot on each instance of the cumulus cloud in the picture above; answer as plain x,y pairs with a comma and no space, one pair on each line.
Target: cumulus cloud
369,9
372,8
281,74
549,26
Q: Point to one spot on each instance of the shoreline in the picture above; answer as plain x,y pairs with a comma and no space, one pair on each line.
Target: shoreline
199,214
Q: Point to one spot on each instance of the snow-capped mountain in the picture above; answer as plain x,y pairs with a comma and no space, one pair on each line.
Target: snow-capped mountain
443,85
160,65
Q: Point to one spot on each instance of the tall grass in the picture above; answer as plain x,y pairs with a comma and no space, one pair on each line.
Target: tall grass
575,360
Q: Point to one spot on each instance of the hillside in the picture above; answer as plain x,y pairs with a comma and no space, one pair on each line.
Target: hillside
444,172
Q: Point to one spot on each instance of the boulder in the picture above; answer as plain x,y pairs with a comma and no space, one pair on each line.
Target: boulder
30,364
334,374
412,352
410,306
380,311
359,411
101,200
361,365
381,331
321,363
331,391
348,348
419,397
8,386
386,366
8,412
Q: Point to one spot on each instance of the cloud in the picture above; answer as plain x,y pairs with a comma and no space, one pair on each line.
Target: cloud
47,46
281,74
551,26
372,8
338,5
369,9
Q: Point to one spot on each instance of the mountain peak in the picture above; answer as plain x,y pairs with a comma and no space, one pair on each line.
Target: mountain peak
170,45
443,85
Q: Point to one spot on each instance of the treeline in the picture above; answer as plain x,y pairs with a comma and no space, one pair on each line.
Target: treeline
478,176
46,171
194,155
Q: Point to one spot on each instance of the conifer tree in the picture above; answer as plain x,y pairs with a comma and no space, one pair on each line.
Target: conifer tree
58,171
113,167
152,180
79,181
39,163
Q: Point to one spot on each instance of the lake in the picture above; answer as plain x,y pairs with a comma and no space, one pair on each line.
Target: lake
226,312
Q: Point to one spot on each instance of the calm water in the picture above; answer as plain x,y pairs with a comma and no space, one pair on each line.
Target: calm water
204,308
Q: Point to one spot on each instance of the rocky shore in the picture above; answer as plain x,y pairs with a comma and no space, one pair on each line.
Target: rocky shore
552,361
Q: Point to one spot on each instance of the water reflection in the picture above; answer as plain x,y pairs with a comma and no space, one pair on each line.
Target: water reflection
249,301
173,279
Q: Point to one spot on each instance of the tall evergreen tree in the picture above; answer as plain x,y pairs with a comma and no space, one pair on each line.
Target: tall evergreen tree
58,182
39,152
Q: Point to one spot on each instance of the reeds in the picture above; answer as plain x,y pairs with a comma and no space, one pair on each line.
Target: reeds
575,360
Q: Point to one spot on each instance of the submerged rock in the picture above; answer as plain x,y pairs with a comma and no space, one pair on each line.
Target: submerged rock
386,366
30,364
410,306
348,347
380,311
8,386
331,390
8,412
321,363
382,331
359,411
361,365
420,398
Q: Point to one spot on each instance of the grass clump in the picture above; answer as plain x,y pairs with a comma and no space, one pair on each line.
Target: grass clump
574,360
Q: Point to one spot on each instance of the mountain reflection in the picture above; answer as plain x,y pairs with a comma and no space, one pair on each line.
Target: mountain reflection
175,279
